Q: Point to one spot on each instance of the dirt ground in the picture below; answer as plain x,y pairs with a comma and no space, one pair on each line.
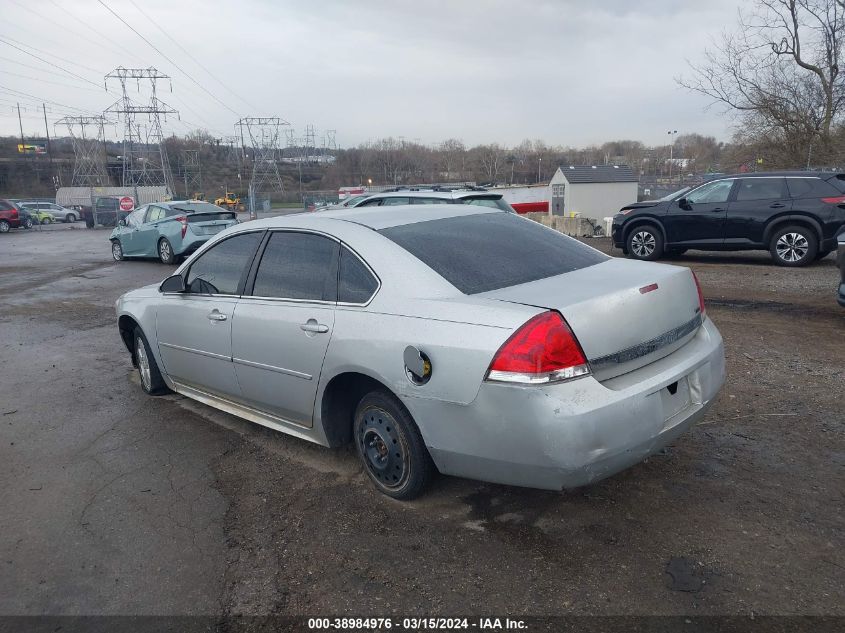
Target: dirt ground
194,511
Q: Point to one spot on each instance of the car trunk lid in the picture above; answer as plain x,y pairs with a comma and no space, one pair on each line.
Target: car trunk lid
210,223
625,314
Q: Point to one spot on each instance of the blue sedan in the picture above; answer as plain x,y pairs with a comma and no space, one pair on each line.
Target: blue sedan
168,230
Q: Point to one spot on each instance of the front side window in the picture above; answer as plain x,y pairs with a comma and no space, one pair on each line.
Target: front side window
712,192
355,282
760,189
136,218
300,266
218,271
375,202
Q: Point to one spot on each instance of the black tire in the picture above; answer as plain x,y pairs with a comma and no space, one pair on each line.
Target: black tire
5,226
390,446
165,251
27,224
151,380
822,254
46,220
645,242
793,246
117,250
70,218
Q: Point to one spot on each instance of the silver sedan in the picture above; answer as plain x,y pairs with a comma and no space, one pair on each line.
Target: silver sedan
447,338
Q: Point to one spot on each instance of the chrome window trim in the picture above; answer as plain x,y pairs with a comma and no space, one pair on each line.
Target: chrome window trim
204,248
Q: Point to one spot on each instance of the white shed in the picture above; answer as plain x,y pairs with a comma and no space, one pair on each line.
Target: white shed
591,191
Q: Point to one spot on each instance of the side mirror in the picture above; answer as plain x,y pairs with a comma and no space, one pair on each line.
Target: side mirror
684,204
174,283
121,222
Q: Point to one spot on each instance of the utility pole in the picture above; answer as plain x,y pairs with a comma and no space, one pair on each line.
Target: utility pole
671,134
20,122
47,129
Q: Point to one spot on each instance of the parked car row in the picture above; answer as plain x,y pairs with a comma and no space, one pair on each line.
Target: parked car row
25,214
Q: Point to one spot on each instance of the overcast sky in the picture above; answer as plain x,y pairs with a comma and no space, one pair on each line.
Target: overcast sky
567,72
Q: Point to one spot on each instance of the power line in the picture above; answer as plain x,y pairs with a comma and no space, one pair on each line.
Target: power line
46,81
37,98
31,67
177,66
41,59
99,34
43,52
192,58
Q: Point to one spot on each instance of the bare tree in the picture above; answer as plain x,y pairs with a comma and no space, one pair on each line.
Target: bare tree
780,71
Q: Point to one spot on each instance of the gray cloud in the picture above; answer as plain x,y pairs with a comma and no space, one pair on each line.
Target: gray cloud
566,72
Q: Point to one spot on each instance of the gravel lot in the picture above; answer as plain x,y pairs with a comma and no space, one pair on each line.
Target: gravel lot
116,503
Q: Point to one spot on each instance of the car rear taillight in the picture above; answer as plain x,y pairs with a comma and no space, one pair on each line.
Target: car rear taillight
184,221
836,200
700,294
14,214
543,350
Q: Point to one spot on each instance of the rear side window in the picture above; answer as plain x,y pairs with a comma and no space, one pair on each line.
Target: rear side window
810,188
218,271
389,202
430,201
5,206
488,251
355,282
371,203
299,266
760,189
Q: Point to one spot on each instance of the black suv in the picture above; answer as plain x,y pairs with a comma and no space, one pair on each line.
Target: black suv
794,215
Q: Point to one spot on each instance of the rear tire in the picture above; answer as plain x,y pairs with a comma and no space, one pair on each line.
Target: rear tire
151,381
70,218
27,224
794,246
165,252
645,242
4,226
390,446
46,220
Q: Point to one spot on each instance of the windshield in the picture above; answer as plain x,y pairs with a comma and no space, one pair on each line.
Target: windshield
674,194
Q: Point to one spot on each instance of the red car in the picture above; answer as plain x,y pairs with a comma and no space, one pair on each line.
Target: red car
10,216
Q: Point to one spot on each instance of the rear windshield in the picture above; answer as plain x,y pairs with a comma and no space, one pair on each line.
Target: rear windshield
477,253
494,202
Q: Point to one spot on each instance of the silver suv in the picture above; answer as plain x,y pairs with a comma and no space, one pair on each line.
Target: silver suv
411,195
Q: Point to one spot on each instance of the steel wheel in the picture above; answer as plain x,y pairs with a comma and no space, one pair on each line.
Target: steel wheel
143,364
28,223
643,244
384,451
117,250
792,247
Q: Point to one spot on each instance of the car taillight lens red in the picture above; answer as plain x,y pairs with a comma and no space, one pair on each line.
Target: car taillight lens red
836,200
700,294
541,351
184,222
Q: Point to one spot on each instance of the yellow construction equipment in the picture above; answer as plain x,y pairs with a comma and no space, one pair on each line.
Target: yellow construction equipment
230,200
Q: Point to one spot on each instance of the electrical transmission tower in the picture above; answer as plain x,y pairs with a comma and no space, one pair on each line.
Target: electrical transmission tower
264,137
309,144
145,161
87,134
329,144
191,171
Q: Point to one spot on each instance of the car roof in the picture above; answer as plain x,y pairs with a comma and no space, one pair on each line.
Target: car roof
376,218
453,194
785,174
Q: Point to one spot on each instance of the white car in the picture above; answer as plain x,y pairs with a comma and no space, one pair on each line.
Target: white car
56,210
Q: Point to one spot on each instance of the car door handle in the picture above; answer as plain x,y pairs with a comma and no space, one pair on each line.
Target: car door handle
777,205
217,316
312,326
717,210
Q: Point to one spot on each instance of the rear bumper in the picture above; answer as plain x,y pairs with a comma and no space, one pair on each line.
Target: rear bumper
573,433
190,243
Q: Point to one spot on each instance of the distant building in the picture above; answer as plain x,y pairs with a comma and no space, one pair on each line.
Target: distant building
591,191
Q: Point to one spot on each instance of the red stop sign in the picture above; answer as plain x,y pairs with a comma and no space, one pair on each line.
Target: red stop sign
127,203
